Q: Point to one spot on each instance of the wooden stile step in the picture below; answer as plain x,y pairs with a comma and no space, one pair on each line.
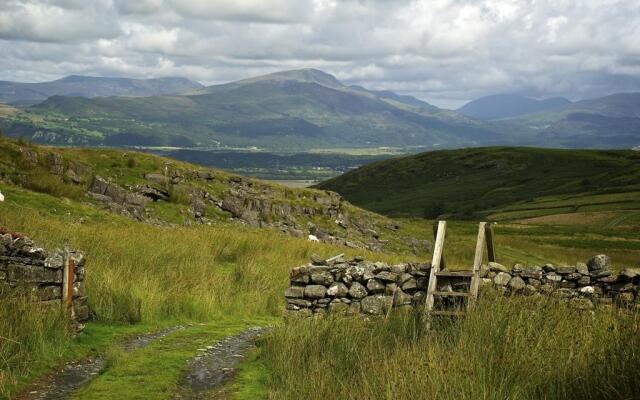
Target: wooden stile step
455,274
451,294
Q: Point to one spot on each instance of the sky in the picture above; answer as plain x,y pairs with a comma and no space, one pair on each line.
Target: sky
443,51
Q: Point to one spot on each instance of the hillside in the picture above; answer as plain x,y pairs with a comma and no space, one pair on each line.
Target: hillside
499,182
292,110
165,192
509,105
19,93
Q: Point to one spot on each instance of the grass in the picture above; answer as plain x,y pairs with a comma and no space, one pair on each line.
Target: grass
505,349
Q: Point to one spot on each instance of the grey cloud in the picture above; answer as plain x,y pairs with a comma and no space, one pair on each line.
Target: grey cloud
444,51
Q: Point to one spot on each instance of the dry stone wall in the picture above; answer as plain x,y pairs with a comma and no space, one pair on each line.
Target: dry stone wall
26,267
361,287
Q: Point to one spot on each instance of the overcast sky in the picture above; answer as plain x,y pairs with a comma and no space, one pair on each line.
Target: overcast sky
443,51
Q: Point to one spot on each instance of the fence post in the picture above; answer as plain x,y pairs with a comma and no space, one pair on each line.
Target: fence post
68,276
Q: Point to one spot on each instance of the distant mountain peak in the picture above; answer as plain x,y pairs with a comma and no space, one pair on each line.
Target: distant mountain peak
310,75
507,105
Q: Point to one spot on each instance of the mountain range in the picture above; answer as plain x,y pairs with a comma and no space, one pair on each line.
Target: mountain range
308,109
19,93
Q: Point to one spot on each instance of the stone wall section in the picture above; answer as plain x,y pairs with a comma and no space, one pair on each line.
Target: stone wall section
361,287
26,267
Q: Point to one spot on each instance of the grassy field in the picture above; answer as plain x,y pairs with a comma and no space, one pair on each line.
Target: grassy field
225,277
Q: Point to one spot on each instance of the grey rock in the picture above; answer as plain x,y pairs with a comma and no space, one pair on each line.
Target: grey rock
375,286
582,268
301,303
599,262
516,284
410,284
553,277
357,291
294,292
400,298
502,279
338,290
318,260
322,278
376,305
390,289
548,268
565,269
584,281
534,272
496,267
338,307
630,273
315,291
387,276
574,276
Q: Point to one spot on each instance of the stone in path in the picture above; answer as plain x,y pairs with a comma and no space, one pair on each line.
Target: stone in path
61,384
215,365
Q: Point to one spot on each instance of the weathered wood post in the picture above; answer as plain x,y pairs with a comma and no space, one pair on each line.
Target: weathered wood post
68,277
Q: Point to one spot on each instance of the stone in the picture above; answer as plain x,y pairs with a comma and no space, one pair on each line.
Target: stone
601,273
495,267
357,291
294,292
534,272
322,278
599,262
516,284
422,282
318,260
548,268
387,276
630,273
607,279
553,277
583,281
338,307
375,286
399,268
390,289
565,269
376,305
315,291
410,284
400,298
502,279
536,283
404,277
568,284
530,290
419,298
574,276
582,268
338,290
323,302
54,261
300,275
380,267
587,290
50,293
354,308
302,303
517,268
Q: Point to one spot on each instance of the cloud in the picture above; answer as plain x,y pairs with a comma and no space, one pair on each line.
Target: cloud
444,51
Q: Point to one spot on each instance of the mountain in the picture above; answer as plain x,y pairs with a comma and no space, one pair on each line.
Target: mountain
610,121
509,105
18,93
499,182
290,110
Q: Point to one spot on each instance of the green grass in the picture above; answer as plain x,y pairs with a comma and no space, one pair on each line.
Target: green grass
505,349
472,183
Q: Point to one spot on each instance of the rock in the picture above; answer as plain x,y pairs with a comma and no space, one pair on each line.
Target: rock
516,284
302,303
375,286
322,278
553,277
410,284
587,290
599,262
534,272
517,268
495,267
549,268
376,305
502,279
294,292
530,290
630,273
318,260
574,276
354,308
600,273
583,281
380,267
400,298
536,283
72,177
315,291
387,276
300,275
565,269
390,289
582,268
338,290
357,291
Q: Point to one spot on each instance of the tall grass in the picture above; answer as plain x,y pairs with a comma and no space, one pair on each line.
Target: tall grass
505,349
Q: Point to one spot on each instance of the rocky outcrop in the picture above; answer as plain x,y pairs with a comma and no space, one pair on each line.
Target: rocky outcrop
361,287
29,269
118,198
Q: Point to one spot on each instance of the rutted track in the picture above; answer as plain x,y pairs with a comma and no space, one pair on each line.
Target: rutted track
74,375
215,365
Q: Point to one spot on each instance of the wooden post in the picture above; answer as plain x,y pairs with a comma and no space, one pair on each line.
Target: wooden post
491,249
443,263
68,276
435,267
477,261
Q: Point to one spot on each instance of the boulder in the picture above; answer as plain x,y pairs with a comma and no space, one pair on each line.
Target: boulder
357,291
376,305
322,278
516,284
495,267
294,292
410,284
599,262
375,286
387,276
338,290
315,291
630,273
548,268
582,268
565,269
502,279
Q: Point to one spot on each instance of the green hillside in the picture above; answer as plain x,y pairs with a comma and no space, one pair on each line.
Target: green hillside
501,182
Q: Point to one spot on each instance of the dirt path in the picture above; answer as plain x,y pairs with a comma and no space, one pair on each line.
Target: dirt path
60,384
215,366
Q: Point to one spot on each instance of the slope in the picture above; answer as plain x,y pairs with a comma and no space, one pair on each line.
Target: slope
492,181
509,105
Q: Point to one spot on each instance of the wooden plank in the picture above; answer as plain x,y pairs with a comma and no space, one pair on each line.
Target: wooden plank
443,263
451,294
435,265
491,249
68,276
456,274
477,261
